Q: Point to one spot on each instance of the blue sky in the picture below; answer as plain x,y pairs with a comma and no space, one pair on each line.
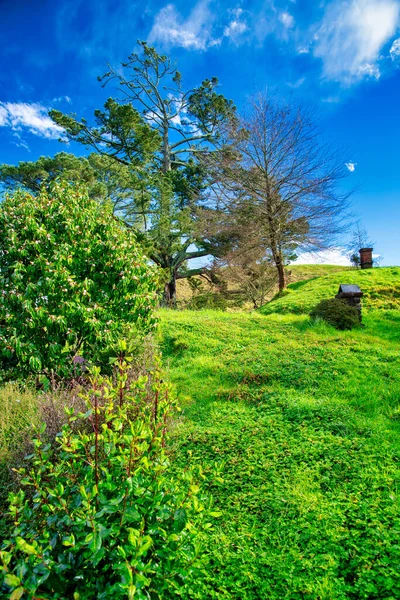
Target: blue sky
343,57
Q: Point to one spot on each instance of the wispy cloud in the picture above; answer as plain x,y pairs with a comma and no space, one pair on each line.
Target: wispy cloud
275,21
351,166
294,85
202,29
303,49
193,33
20,116
3,116
286,19
395,50
331,99
334,256
20,143
236,26
352,35
62,99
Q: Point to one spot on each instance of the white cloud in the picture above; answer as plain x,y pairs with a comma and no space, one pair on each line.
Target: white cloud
331,99
235,28
296,84
286,19
369,70
351,166
395,50
351,36
62,99
20,143
3,116
335,256
32,117
194,33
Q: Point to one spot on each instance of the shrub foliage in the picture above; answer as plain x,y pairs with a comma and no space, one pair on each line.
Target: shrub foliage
104,518
337,313
72,278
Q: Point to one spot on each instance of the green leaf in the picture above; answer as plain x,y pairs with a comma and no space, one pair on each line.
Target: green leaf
131,592
12,580
133,536
180,519
24,546
95,542
145,544
68,540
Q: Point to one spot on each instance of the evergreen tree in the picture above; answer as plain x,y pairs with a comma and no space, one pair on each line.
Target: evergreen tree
159,132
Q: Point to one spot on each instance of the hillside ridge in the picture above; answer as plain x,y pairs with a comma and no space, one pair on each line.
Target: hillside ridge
381,288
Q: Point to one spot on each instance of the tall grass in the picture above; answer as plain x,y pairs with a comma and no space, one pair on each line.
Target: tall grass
19,413
22,411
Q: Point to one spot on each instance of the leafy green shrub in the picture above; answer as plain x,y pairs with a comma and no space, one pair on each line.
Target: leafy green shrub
211,300
72,279
337,313
104,517
22,411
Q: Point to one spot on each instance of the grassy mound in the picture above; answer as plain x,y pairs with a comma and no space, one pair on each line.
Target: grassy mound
307,440
301,272
294,273
381,289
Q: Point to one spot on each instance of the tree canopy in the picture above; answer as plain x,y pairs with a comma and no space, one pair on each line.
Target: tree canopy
278,185
32,175
194,179
158,131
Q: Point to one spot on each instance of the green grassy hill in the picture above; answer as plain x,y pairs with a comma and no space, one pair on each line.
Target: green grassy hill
294,273
303,423
300,272
381,289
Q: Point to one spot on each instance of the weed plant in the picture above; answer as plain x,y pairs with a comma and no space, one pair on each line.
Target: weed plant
103,517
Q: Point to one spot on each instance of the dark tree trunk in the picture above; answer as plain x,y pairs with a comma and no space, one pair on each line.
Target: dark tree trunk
166,149
276,249
279,264
281,273
170,292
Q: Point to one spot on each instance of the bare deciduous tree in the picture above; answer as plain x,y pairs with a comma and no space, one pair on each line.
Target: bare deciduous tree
359,239
279,182
253,278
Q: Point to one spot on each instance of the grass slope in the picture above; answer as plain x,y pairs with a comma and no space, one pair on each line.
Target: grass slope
303,422
302,272
294,273
381,289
